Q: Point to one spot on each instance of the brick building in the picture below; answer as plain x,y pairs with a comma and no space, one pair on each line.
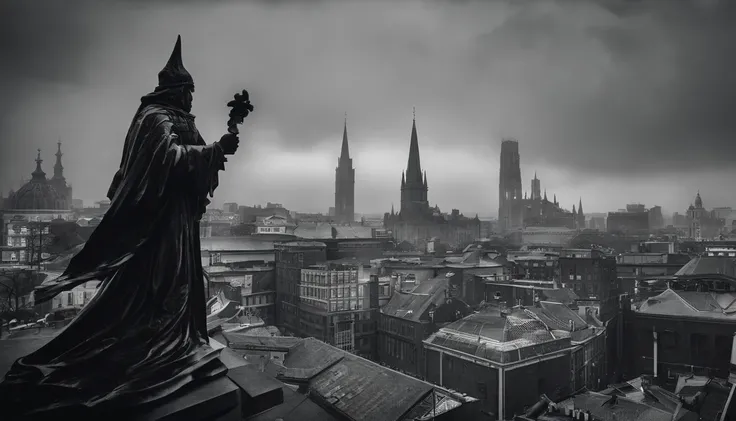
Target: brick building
681,332
290,259
409,318
336,307
506,359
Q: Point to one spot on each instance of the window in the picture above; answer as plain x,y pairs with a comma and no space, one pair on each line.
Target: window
668,339
723,348
698,346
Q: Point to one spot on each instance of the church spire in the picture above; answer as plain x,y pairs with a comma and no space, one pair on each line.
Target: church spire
545,195
38,174
555,199
345,153
573,210
580,206
58,167
414,167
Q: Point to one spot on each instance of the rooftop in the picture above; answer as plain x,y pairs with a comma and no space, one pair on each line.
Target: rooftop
705,305
412,305
324,231
709,265
356,388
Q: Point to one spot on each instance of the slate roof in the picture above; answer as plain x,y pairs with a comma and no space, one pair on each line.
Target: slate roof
708,265
558,316
244,341
507,339
560,295
691,304
359,389
412,305
614,408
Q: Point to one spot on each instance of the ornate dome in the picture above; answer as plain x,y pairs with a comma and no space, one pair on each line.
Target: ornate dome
37,193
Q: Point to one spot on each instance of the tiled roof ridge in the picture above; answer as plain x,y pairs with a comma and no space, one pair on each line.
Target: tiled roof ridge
690,306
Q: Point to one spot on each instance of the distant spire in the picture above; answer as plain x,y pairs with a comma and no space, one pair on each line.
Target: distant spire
414,166
573,210
345,153
58,167
555,199
403,180
580,206
535,175
425,178
392,209
38,174
545,195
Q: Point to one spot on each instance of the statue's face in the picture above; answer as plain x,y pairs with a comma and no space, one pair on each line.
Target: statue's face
187,98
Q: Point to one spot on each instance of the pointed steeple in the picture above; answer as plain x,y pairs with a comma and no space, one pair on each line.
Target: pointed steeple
580,206
174,74
535,175
573,210
38,174
414,166
545,195
392,209
403,180
58,168
345,152
425,178
555,199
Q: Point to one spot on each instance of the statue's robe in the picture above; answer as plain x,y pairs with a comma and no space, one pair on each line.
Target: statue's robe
144,334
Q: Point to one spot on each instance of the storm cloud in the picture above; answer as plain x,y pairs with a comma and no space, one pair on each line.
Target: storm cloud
611,100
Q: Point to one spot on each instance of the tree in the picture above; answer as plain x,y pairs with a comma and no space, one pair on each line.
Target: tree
38,240
14,284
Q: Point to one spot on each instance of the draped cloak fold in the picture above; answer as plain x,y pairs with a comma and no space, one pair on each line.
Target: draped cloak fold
144,334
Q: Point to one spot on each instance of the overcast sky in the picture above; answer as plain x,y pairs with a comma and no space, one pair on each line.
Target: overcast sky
614,101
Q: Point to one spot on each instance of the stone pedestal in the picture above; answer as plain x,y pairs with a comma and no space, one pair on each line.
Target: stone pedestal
218,400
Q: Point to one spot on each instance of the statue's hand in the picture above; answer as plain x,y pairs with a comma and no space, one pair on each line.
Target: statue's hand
229,143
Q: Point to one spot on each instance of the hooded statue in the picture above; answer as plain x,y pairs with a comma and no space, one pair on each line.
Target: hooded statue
143,336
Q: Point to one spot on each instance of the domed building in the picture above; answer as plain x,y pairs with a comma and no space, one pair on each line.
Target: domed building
38,201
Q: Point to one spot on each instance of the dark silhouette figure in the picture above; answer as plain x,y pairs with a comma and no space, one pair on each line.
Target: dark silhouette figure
144,334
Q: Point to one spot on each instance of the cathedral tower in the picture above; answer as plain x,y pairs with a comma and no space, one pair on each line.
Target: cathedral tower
536,188
510,212
413,182
345,183
58,181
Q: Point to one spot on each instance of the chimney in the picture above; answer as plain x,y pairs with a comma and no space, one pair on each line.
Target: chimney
732,367
572,325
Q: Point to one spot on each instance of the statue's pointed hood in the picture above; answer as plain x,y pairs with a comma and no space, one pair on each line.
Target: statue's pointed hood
174,74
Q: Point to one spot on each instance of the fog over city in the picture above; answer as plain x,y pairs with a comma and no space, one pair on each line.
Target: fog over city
612,101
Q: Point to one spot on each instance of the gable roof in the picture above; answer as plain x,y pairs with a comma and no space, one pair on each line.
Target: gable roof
414,304
691,304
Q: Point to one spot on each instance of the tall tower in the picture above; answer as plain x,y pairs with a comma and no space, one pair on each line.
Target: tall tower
510,210
345,183
581,216
414,187
58,181
536,188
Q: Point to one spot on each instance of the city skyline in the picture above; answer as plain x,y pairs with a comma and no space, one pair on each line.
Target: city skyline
609,103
